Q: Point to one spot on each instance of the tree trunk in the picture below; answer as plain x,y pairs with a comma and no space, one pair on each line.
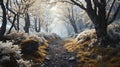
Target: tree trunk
13,24
4,21
101,32
74,27
27,23
100,24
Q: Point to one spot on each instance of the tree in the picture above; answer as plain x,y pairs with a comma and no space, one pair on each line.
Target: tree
4,20
18,9
96,10
27,23
70,15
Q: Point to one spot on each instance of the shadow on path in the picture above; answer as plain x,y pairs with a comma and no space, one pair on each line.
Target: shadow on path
58,56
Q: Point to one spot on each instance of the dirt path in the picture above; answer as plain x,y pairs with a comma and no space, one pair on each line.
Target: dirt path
58,56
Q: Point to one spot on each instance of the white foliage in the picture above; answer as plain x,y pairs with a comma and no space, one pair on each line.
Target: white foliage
49,36
7,49
87,35
24,63
36,38
114,30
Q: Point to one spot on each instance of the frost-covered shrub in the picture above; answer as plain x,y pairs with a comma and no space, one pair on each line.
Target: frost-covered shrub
32,47
36,38
87,37
114,30
49,36
17,37
10,56
24,63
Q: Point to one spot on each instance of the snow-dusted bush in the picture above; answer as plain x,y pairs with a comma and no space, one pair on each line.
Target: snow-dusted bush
49,36
32,47
114,30
17,37
87,37
36,38
10,56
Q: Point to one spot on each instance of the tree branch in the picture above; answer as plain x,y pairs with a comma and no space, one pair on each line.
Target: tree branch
7,6
4,20
81,6
107,18
115,15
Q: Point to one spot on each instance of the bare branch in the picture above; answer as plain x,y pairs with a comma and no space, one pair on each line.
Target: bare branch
81,6
61,1
115,15
7,6
13,24
110,10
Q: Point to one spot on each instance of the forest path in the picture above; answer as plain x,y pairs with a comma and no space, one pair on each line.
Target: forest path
58,56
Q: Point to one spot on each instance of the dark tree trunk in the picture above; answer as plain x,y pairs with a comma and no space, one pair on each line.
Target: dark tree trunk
13,24
96,10
4,21
101,29
100,23
27,23
101,32
74,26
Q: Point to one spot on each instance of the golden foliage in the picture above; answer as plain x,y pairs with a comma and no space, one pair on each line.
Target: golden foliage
34,49
92,56
71,45
102,57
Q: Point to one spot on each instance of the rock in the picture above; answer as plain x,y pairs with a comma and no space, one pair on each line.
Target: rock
71,58
99,57
47,58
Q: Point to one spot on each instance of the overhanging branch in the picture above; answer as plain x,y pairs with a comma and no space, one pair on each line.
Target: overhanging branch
107,18
115,15
81,6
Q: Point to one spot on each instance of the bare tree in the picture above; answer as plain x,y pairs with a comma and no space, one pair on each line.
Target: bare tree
27,23
72,18
96,10
17,9
4,20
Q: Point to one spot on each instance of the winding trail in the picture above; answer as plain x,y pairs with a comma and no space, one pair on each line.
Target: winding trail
58,56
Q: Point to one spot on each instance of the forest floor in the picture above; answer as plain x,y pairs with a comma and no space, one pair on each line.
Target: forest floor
58,56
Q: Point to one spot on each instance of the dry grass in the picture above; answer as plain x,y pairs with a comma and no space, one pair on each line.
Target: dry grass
34,50
32,47
95,56
71,45
92,56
